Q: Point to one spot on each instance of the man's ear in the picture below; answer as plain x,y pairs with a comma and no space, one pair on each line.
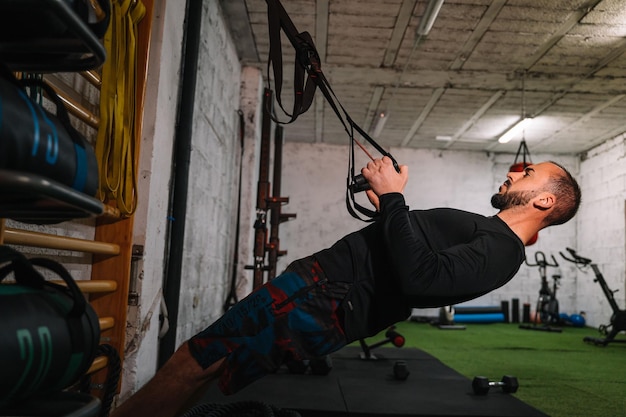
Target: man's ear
544,201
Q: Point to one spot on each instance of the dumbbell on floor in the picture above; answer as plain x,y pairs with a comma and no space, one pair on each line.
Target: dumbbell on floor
400,370
481,384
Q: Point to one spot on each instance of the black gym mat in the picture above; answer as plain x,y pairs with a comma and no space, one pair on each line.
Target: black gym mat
357,387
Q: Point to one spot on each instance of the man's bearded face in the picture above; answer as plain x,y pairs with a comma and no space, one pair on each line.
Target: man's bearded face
503,201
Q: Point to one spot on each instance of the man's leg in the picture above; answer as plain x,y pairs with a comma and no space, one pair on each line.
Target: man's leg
293,315
182,376
170,388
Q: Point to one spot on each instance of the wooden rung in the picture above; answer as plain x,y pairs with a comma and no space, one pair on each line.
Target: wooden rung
99,363
106,323
43,240
71,100
93,286
79,111
93,77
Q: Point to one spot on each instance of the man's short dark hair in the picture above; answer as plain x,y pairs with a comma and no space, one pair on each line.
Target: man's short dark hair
568,195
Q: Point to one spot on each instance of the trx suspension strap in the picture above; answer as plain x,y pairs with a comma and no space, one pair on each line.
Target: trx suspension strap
308,61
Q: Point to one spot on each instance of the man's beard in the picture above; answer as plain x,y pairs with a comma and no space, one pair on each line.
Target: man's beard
511,199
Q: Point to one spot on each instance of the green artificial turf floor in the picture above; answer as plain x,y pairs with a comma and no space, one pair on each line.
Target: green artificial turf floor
558,373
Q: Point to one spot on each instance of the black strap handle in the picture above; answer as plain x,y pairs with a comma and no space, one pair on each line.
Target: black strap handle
19,264
25,274
57,268
306,55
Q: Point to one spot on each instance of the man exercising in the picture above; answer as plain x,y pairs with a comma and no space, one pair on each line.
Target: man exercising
366,282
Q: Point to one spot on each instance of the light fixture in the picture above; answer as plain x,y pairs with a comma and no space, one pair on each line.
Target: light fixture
428,18
425,24
515,130
524,121
379,124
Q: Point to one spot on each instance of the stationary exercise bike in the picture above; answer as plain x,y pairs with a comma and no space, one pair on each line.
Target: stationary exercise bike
618,318
547,311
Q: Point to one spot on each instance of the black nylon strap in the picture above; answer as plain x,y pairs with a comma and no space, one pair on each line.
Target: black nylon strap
24,273
305,52
307,60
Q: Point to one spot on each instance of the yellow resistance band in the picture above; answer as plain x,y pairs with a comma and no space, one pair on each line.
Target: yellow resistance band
116,142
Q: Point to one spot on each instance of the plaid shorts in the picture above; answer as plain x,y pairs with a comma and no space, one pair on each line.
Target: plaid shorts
292,317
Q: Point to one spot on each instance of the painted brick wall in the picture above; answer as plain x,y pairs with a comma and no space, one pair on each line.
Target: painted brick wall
209,234
601,228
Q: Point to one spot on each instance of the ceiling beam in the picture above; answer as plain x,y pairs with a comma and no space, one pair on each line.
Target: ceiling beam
475,117
372,109
434,98
239,24
582,120
483,25
608,58
612,134
474,80
404,17
570,23
321,28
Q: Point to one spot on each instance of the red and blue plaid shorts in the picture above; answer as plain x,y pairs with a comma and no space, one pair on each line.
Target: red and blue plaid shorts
292,317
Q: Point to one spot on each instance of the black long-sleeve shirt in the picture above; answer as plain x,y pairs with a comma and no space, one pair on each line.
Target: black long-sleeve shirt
419,258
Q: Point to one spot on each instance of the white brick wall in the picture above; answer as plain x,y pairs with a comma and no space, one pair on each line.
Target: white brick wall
601,228
209,235
213,179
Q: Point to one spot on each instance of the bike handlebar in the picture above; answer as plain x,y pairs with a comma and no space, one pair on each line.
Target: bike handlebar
540,260
576,258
